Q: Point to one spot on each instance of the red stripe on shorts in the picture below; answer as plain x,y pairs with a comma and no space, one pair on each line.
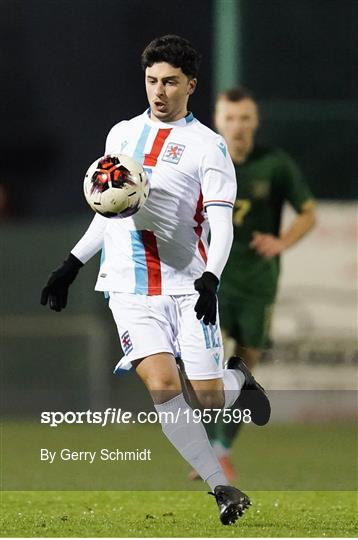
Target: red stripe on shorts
153,263
160,138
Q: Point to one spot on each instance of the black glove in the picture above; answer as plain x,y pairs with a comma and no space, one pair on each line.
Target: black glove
56,290
205,307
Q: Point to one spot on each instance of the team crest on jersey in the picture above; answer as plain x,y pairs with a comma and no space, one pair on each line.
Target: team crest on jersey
173,153
260,189
127,344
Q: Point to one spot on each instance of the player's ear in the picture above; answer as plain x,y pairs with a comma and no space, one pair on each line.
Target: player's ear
191,86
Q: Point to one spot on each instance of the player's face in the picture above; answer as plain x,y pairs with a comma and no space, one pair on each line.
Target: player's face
237,122
168,90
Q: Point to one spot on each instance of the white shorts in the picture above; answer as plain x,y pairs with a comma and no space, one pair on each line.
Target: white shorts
154,324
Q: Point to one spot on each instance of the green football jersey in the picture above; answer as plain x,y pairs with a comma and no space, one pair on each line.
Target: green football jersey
266,180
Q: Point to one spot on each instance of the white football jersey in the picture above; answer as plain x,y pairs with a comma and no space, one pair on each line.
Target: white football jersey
163,248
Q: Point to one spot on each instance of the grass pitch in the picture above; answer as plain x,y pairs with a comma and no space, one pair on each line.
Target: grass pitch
300,463
277,457
175,514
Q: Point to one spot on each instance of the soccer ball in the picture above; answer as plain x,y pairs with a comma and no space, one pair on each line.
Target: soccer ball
116,185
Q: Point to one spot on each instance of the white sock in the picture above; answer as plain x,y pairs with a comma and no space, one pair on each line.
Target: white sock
191,440
233,380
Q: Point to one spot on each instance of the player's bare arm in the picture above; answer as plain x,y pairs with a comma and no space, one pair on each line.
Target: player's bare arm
268,245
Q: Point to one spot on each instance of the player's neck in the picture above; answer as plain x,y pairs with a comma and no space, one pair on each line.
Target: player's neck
240,155
169,119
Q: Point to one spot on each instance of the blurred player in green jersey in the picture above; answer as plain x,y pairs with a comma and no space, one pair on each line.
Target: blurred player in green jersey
267,179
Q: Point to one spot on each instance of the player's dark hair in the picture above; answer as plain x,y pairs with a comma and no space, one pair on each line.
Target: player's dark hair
174,50
237,93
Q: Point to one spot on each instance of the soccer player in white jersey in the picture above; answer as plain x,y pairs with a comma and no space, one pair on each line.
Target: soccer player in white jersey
159,270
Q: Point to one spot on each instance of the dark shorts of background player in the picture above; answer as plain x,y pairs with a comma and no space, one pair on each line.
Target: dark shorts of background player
247,320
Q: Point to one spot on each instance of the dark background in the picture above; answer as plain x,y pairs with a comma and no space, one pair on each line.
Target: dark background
71,69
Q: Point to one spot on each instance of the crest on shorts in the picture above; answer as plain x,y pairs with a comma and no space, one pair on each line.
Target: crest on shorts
126,342
173,153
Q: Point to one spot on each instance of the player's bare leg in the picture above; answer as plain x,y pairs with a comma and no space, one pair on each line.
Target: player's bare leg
208,394
160,375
